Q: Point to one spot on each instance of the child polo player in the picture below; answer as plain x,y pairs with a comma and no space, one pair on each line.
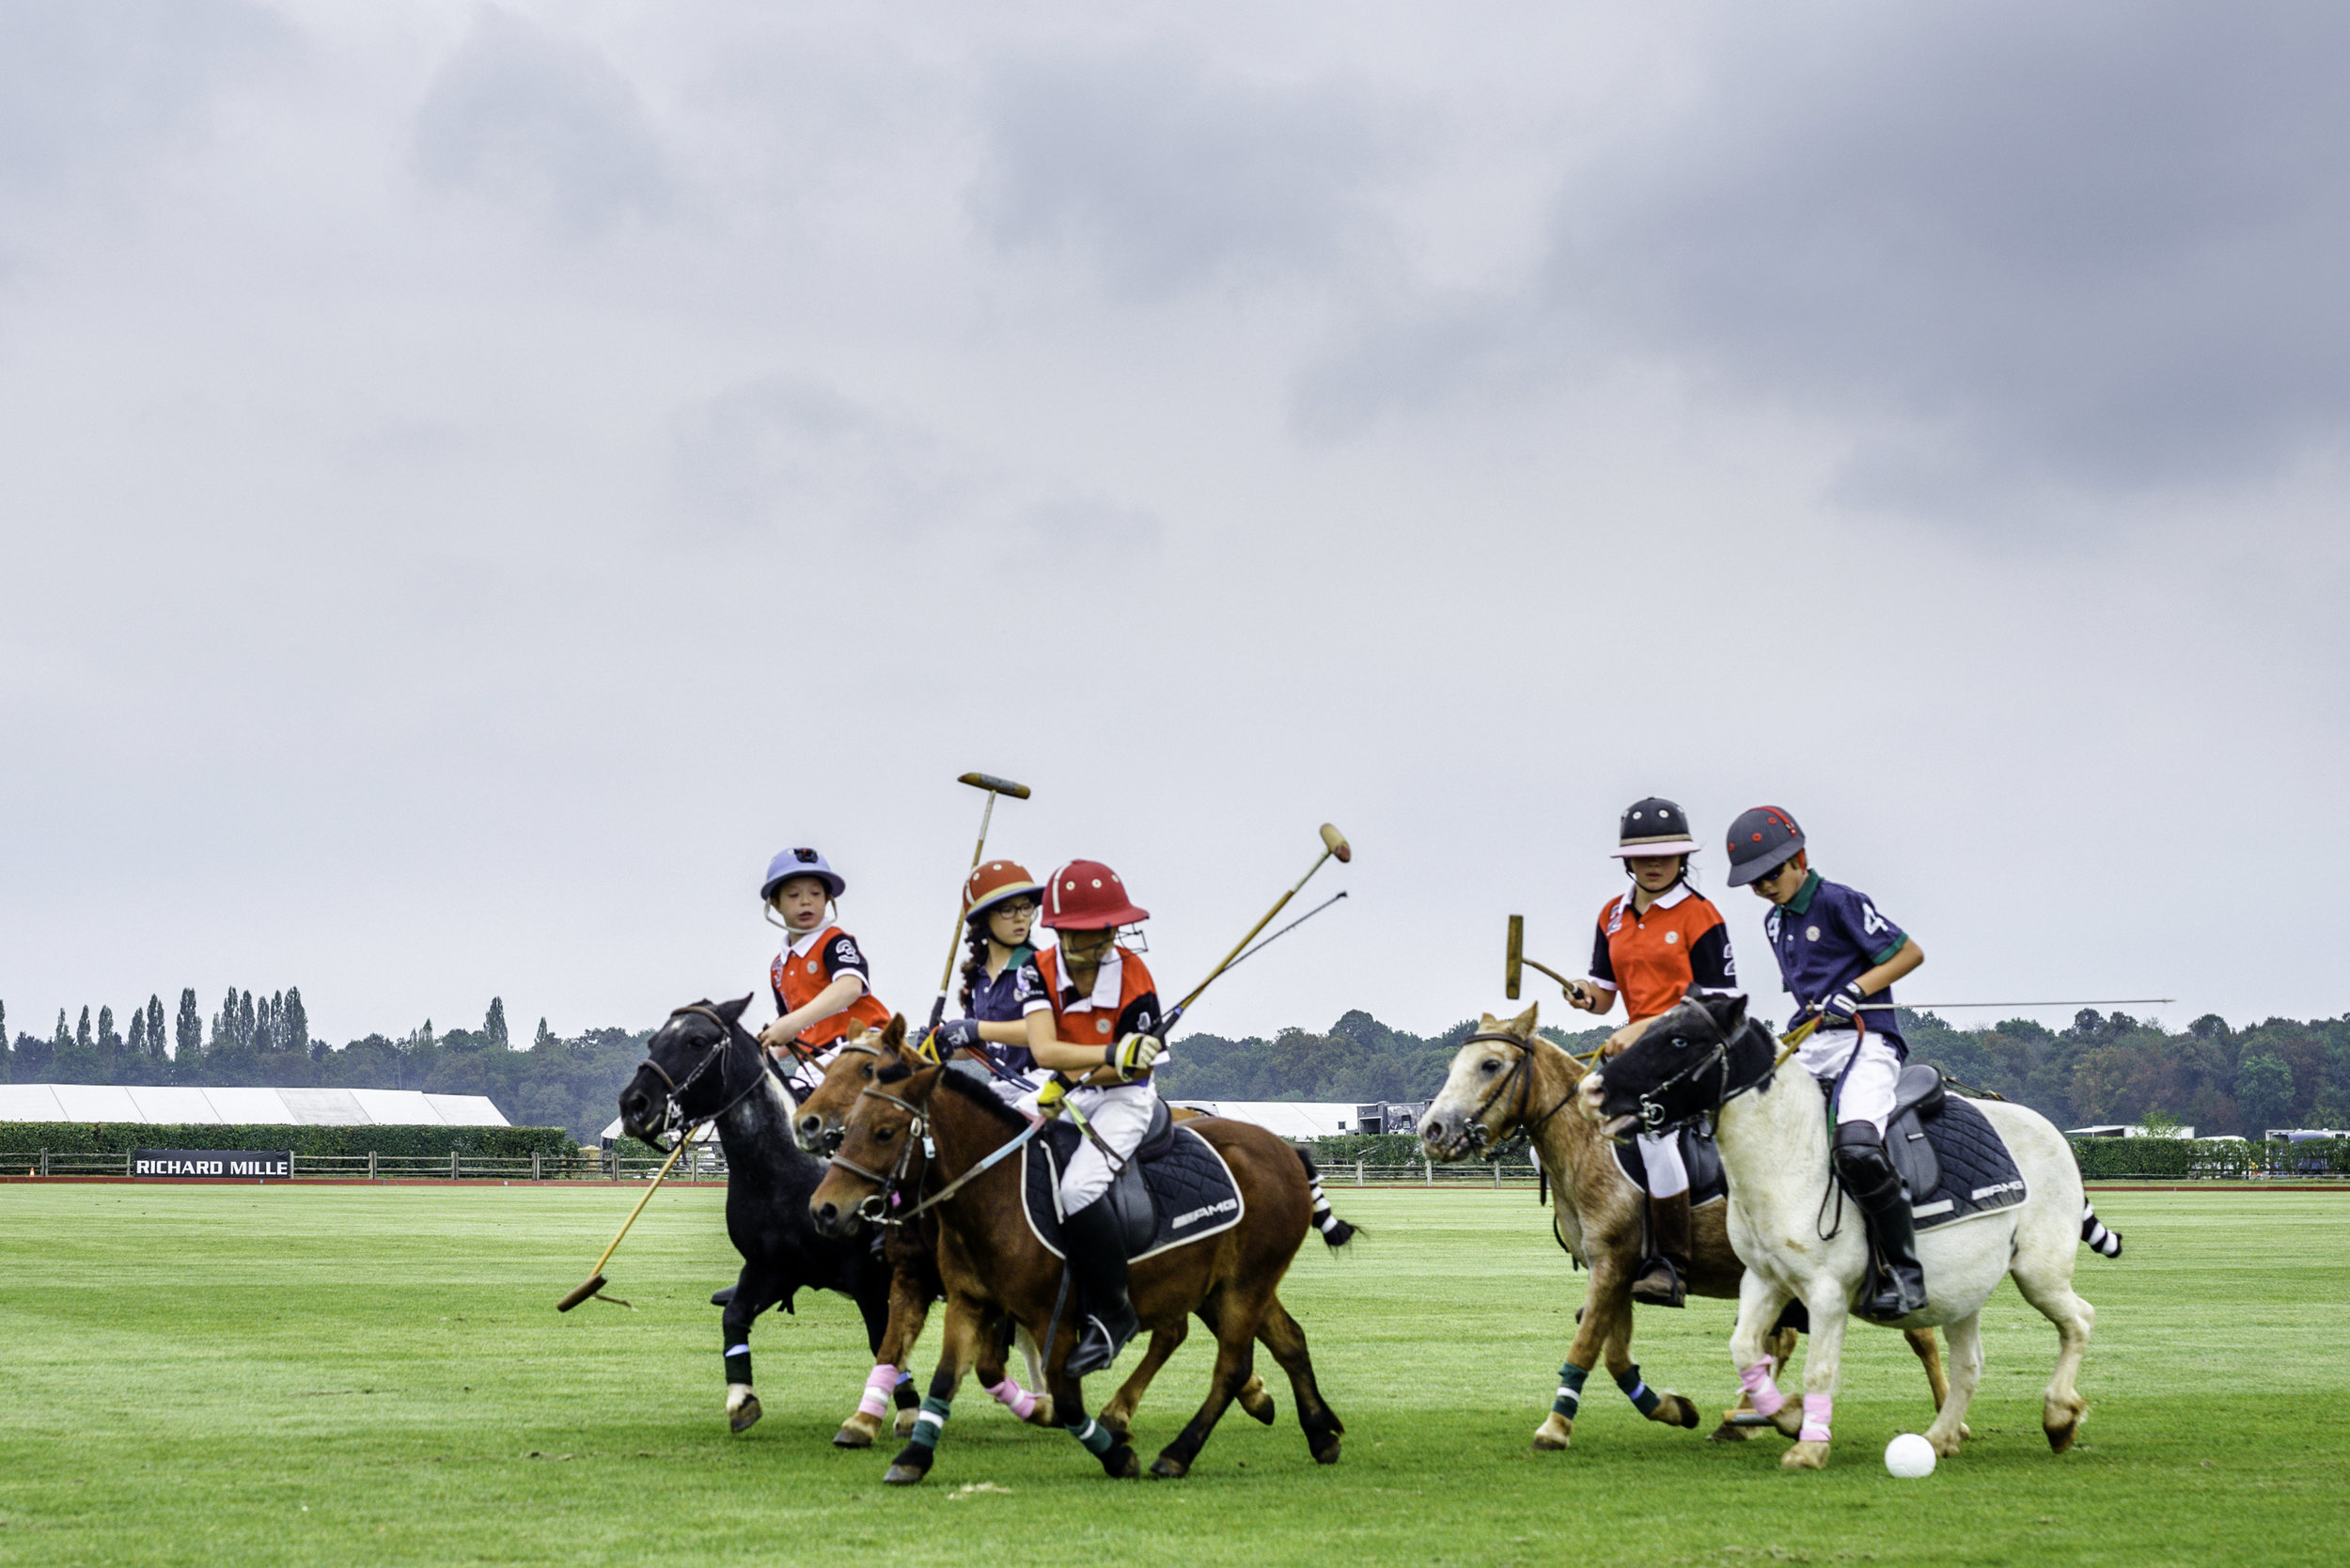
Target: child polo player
822,982
1653,944
1836,953
1007,1012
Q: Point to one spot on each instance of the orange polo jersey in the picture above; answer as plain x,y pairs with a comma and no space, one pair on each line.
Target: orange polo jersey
1653,958
801,971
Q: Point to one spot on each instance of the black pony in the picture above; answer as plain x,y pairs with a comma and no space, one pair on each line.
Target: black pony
702,1063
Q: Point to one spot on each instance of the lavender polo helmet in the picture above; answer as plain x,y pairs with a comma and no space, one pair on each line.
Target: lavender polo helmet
800,862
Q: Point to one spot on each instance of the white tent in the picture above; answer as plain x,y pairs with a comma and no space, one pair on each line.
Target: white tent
1291,1119
286,1107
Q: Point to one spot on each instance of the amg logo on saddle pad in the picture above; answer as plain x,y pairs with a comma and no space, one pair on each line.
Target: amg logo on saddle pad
212,1163
1192,1192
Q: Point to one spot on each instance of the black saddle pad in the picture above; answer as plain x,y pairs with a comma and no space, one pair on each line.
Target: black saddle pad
1177,1190
1978,1174
1698,1153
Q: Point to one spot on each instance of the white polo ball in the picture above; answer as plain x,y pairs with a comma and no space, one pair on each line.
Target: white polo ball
1909,1457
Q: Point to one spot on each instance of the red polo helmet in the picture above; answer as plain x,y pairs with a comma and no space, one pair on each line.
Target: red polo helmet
995,883
1085,894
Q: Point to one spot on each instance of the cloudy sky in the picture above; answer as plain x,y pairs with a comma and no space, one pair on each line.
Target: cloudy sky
475,479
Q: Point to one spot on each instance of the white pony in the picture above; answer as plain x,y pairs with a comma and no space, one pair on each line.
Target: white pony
1771,1125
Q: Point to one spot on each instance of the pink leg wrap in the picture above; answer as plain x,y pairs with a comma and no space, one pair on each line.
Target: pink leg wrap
1757,1381
878,1383
1815,1413
1014,1398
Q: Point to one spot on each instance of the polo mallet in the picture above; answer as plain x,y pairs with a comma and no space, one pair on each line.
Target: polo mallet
595,1276
1517,962
1333,844
994,786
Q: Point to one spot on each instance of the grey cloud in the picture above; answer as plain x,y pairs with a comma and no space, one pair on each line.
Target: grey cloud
520,117
2006,243
1170,178
1091,530
791,453
84,84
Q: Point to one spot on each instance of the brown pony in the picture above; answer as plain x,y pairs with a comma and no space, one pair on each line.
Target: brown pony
912,1252
991,1265
1507,1079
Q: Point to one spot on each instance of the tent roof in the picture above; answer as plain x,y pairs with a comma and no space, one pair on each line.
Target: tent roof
290,1107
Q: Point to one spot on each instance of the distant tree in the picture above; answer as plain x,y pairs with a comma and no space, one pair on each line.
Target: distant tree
33,1056
63,1039
8,1073
2263,1089
249,1028
543,1037
2209,1027
495,1025
224,1023
155,1027
296,1025
80,1030
189,1030
136,1044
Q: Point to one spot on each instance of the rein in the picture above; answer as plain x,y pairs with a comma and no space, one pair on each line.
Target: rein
1521,1073
919,1127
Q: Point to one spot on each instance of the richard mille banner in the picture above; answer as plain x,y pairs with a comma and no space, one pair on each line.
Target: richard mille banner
229,1164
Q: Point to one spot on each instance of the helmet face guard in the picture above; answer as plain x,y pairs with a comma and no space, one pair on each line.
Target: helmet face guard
1760,841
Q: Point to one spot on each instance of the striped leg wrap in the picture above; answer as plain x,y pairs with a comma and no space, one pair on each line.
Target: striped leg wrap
1816,1408
739,1363
1643,1397
1014,1398
1570,1398
1762,1387
931,1422
1095,1436
876,1402
2097,1236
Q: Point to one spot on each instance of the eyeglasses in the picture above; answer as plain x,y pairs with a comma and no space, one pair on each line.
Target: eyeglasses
1775,872
1015,906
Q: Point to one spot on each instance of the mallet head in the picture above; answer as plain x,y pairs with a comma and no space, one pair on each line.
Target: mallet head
1335,841
584,1293
1517,963
997,786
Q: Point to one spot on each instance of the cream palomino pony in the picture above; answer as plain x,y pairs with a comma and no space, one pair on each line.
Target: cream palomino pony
1507,1080
1770,1121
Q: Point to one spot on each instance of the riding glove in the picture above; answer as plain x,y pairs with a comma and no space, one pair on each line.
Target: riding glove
1133,1055
1844,1005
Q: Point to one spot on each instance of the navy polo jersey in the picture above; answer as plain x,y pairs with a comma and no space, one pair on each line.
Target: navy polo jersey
1828,936
1017,990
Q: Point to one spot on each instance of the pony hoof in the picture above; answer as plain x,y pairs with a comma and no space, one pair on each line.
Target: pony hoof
912,1463
1259,1403
902,1475
903,1425
1120,1464
742,1411
1167,1467
1729,1432
1327,1452
1790,1420
1116,1426
1674,1410
1554,1435
855,1436
1805,1456
2060,1437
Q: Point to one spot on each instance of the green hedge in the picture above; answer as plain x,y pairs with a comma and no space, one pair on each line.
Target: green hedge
2111,1158
1380,1149
120,1137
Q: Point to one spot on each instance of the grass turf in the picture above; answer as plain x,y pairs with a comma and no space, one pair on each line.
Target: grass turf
361,1375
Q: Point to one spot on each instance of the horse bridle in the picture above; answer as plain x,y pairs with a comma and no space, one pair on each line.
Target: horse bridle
1521,1073
672,1109
874,1208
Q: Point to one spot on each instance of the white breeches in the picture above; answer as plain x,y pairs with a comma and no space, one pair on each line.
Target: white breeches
1660,1153
1868,1091
1120,1117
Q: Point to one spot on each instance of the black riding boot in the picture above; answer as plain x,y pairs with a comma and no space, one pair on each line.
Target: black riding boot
1666,1282
1898,1288
1097,1257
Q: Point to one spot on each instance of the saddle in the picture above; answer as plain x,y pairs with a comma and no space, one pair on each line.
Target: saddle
1698,1154
1175,1189
1950,1159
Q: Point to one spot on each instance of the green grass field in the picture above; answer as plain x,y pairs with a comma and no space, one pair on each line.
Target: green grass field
227,1375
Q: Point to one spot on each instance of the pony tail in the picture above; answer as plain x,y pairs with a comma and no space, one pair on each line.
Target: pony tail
975,965
1335,1232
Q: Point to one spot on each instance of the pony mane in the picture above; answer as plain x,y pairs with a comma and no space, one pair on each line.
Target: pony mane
975,1091
894,1072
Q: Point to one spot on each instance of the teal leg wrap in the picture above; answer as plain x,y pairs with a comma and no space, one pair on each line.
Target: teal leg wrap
1570,1398
1642,1397
1095,1436
931,1422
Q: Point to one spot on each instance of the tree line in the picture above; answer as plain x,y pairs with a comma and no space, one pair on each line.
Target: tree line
2103,1068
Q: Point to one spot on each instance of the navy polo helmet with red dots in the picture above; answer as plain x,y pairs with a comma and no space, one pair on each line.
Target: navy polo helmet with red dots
1760,841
